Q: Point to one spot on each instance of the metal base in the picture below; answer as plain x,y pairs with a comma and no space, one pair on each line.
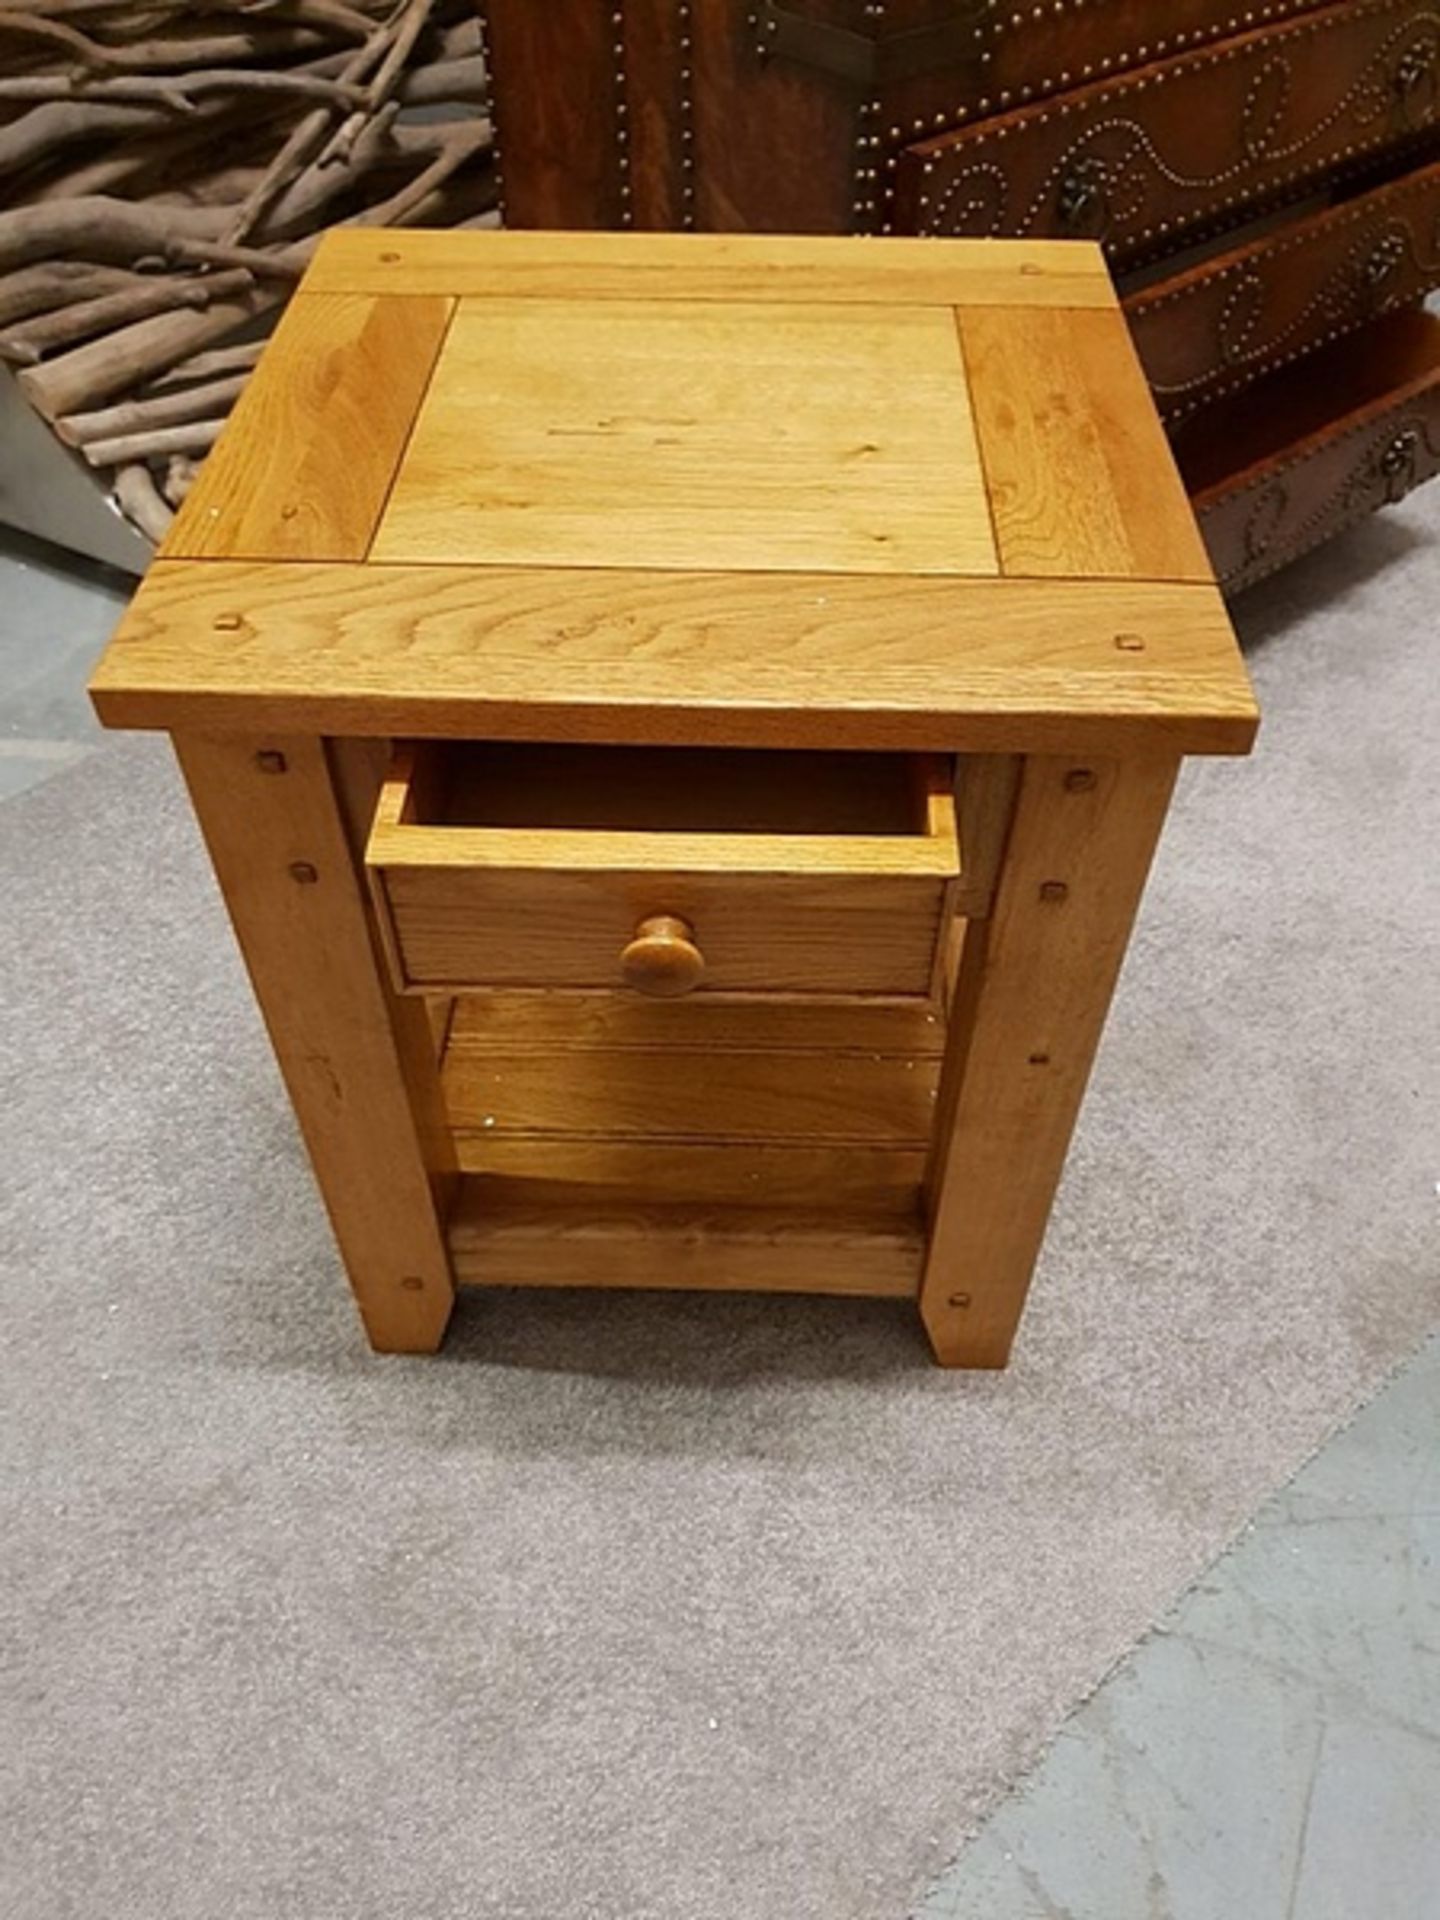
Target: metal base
48,491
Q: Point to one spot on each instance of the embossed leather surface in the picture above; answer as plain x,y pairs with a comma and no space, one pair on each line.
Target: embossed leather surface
1179,147
1217,327
1370,457
1034,52
1024,52
786,115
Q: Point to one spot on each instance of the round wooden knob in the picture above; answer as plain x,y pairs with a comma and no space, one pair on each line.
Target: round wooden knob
663,959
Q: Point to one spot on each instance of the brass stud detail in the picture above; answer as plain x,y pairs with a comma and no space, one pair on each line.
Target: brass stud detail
621,81
1129,643
302,873
958,1300
228,622
1053,892
686,114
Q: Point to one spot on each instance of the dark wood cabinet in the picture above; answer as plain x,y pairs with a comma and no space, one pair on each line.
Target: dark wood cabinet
1265,181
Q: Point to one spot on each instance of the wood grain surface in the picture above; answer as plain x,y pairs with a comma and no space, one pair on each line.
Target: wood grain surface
985,800
525,1075
625,494
817,932
694,1093
1080,476
499,1243
729,489
721,812
741,659
306,460
694,435
1034,987
358,1062
782,268
560,905
626,1143
528,1022
505,1051
543,1169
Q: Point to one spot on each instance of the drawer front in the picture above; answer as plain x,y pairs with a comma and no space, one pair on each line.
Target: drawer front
1215,328
1089,42
1005,60
1176,148
1301,494
664,913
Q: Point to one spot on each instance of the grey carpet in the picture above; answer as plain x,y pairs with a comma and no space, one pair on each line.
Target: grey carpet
686,1608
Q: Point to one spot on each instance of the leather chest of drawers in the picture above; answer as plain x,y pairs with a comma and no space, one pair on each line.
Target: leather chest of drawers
1265,181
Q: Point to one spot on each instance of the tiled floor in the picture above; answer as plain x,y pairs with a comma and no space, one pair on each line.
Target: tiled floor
1271,1751
54,616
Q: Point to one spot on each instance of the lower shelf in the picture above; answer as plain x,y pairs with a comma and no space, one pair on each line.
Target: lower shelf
771,1147
502,1234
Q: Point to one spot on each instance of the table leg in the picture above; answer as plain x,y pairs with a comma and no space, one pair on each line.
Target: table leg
358,1059
1033,989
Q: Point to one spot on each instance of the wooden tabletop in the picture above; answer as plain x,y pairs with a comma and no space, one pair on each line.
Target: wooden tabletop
656,487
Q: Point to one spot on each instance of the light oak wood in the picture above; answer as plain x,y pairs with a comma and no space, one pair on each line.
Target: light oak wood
307,458
784,269
694,436
461,928
1034,987
359,768
738,1249
663,959
986,785
1079,472
785,912
439,1013
832,660
608,810
540,1170
985,801
525,1073
440,850
358,1062
680,790
696,1094
561,512
530,1022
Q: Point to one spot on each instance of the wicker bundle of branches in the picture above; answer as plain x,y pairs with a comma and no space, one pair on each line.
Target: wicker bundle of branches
168,167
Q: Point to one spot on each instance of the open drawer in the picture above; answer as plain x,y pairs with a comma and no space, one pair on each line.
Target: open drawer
1277,469
663,870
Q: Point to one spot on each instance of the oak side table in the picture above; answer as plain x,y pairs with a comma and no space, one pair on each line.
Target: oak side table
681,723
